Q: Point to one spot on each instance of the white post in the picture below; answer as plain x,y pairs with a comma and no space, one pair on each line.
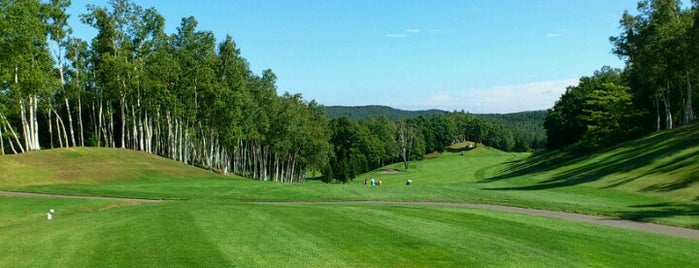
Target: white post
49,215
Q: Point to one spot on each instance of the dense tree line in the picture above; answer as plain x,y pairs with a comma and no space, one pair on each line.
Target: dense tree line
362,112
526,127
363,145
133,86
655,90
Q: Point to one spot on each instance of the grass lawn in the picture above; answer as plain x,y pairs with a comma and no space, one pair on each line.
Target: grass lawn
479,176
218,233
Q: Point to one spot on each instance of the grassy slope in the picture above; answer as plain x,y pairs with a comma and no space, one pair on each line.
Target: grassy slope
662,167
89,166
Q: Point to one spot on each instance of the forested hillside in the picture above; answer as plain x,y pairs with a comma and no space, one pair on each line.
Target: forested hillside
527,128
369,143
362,112
134,86
655,90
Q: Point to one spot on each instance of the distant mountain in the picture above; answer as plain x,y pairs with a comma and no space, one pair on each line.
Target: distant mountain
361,112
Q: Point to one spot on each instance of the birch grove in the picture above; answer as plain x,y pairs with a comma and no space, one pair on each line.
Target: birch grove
133,86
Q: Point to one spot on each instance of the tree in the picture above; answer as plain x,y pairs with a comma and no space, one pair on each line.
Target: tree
27,64
658,48
405,137
565,123
608,113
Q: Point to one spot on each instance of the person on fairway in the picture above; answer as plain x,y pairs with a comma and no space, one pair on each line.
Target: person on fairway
380,182
373,182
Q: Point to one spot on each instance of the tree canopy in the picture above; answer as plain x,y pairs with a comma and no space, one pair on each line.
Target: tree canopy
134,86
655,90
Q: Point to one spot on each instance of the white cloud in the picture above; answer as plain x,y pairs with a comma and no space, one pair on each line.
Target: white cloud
441,98
502,99
405,33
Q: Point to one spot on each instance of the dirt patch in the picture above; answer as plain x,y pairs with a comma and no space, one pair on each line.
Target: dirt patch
390,171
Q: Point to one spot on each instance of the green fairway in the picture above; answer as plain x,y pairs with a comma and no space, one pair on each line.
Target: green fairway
225,234
211,222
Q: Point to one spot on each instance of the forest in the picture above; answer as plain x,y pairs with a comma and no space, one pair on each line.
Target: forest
654,91
187,97
366,144
133,86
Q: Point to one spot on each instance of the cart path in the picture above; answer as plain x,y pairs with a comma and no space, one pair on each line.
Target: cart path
599,220
24,194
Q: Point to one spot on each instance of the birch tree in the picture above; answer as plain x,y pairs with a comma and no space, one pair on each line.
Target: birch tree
27,62
405,137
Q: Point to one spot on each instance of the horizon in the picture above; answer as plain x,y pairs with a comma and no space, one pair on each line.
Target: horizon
426,110
477,56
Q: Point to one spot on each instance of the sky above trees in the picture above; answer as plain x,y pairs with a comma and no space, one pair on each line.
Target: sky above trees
478,56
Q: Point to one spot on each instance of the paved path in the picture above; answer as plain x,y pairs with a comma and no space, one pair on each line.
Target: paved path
606,221
22,194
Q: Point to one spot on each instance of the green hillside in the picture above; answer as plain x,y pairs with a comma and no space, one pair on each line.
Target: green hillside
90,166
664,164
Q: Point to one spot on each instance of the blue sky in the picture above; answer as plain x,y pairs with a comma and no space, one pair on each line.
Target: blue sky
480,56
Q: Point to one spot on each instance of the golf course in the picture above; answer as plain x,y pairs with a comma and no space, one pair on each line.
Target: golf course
122,208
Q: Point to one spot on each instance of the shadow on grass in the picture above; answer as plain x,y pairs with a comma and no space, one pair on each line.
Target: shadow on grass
670,146
661,210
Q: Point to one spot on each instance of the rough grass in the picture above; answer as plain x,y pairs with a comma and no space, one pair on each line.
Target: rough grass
89,166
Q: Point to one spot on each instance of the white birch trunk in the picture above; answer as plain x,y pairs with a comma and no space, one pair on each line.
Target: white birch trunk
35,122
70,119
58,131
14,134
80,122
50,123
293,166
110,134
134,129
100,129
668,111
688,105
25,124
2,140
63,126
123,121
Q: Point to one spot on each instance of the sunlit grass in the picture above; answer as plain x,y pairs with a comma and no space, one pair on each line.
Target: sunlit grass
226,234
